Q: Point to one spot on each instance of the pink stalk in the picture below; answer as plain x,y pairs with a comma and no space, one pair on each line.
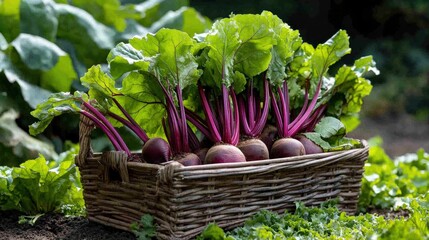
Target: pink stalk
236,122
103,119
100,125
214,133
137,129
226,114
307,113
277,115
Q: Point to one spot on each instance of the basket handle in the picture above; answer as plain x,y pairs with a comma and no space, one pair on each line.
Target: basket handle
116,161
85,128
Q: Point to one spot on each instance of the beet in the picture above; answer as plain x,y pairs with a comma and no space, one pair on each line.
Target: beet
224,153
254,149
287,147
268,135
156,150
310,146
201,153
188,159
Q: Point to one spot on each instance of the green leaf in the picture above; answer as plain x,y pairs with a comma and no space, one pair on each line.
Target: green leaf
142,99
365,65
145,229
60,77
287,42
173,62
38,186
101,86
125,58
10,19
38,17
15,140
212,232
91,38
317,139
256,41
329,53
330,127
236,47
186,19
57,104
36,52
223,41
350,121
57,72
31,93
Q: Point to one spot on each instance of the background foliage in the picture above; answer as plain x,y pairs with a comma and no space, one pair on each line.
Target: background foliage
46,46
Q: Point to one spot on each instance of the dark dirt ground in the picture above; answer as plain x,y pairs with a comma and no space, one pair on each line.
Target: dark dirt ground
56,226
401,135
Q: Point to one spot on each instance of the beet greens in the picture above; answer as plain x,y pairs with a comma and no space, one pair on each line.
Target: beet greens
246,74
61,103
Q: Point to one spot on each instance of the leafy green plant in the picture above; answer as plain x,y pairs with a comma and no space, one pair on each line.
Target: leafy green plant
327,222
41,186
145,229
388,183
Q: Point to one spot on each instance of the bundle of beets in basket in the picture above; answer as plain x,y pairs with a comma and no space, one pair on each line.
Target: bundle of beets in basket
248,89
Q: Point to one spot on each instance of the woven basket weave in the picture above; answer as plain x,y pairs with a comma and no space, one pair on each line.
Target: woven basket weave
183,200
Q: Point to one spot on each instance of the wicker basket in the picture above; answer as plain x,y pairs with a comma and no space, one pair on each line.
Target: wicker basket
183,200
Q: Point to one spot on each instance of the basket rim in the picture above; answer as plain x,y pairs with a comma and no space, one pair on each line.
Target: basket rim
255,167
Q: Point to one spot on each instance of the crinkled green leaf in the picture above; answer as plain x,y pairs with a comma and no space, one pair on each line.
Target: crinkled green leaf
186,19
328,222
253,54
350,88
330,127
15,140
125,58
237,46
223,41
145,229
101,86
38,17
365,65
317,139
10,19
393,182
57,104
351,121
172,52
329,53
287,42
38,185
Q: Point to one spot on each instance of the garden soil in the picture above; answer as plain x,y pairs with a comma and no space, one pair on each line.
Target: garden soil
401,135
56,226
